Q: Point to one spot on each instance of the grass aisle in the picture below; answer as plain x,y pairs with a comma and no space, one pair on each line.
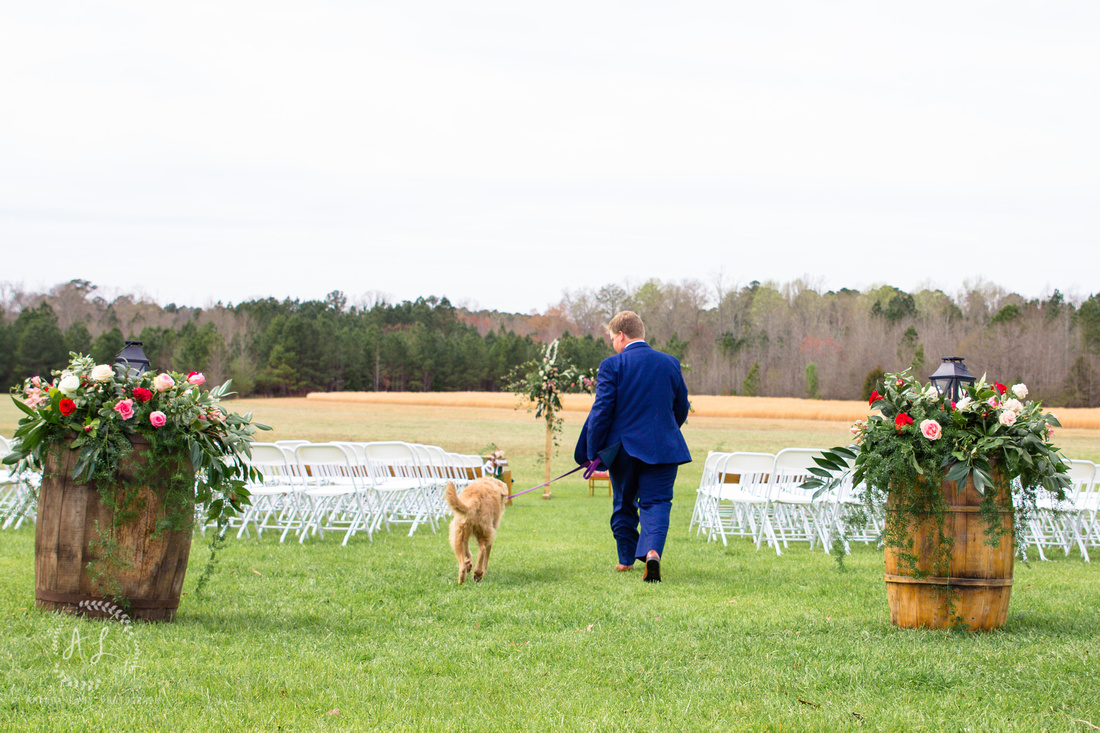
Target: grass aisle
285,635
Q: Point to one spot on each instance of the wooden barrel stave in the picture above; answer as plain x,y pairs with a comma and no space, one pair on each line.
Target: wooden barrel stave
67,528
980,575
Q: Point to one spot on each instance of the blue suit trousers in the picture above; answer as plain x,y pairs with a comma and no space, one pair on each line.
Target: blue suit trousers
642,493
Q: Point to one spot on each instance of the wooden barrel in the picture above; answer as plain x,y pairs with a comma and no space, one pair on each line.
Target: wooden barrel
978,584
66,540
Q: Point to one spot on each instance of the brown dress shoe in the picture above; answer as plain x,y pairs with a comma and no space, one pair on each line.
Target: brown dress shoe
624,568
652,572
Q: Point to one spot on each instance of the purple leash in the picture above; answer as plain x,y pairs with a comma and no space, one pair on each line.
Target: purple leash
592,467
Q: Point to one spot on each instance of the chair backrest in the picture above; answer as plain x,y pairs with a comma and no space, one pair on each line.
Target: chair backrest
392,459
474,466
750,472
1083,476
792,467
271,461
431,464
325,461
710,479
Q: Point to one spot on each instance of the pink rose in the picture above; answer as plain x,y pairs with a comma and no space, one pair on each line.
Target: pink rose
163,382
158,419
125,408
196,378
931,429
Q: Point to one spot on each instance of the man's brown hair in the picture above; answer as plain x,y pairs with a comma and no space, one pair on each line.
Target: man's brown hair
629,323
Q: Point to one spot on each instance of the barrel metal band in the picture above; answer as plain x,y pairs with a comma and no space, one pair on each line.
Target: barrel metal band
931,580
145,604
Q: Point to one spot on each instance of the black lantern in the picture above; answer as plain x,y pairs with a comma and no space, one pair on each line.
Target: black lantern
133,358
950,378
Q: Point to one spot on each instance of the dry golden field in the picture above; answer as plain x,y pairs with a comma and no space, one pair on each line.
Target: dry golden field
777,408
469,422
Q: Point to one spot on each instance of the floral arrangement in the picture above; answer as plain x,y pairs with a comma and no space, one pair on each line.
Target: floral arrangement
495,464
97,409
920,438
541,384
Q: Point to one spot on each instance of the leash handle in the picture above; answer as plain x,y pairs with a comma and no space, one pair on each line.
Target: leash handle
592,467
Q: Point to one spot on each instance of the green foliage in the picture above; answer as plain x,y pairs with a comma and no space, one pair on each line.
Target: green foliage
917,365
1008,314
541,382
38,341
750,386
1082,385
78,339
872,381
1088,320
677,347
812,384
106,346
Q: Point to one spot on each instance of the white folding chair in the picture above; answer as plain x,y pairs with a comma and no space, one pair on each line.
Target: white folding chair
337,499
791,514
1088,508
743,480
1064,524
277,499
705,511
397,477
18,492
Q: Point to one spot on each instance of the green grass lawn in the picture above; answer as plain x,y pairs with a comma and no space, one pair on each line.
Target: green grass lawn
283,636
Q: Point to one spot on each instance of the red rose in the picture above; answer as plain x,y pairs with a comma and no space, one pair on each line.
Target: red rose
142,395
902,420
1001,389
875,397
66,406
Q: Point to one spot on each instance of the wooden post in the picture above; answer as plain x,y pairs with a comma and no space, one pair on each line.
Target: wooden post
549,447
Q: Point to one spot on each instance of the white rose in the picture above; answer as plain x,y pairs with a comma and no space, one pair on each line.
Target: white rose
69,385
1014,405
1020,391
1008,418
961,404
103,373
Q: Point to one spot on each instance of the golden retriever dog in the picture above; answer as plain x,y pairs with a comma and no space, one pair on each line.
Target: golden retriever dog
477,512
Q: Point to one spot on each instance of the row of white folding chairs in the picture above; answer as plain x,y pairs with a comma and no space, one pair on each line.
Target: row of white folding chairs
758,495
1070,523
310,488
18,492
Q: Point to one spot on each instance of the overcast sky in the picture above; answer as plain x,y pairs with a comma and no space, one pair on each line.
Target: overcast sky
500,153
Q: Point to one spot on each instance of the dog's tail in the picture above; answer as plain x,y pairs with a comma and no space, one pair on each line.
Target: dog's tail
451,495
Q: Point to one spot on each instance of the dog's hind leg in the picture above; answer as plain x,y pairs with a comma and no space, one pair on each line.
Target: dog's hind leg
460,542
485,546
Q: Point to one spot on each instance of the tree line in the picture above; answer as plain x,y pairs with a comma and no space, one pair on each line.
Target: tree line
764,339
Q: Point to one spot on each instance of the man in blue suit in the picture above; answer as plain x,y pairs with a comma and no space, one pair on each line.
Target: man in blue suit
634,428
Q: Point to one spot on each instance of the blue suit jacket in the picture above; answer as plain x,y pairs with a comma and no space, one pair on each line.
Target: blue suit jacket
641,402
